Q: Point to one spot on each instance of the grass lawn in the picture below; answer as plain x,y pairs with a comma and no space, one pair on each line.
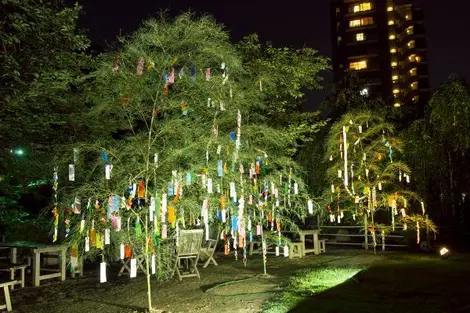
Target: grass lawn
401,283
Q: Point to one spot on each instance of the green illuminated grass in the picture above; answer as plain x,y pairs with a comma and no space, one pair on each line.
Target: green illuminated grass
305,283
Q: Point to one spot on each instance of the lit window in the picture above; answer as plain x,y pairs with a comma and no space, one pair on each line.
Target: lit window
366,6
415,99
355,23
361,22
410,30
395,77
357,66
339,40
411,44
394,64
393,51
392,37
397,104
414,72
414,85
360,37
418,58
396,91
391,22
408,16
412,58
389,9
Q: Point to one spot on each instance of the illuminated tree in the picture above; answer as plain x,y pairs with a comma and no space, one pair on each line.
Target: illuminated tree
185,140
367,178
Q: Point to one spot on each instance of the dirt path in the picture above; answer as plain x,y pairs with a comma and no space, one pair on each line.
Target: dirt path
121,294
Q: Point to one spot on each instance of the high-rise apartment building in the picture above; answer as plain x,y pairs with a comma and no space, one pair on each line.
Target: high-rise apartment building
383,41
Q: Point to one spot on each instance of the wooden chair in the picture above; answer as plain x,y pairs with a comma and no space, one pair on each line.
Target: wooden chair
296,250
140,263
13,269
322,245
6,293
188,250
207,252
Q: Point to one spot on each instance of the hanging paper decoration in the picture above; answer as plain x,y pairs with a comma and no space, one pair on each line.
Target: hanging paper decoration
133,272
71,172
220,171
73,257
208,73
171,215
184,109
87,244
76,206
127,251
310,207
141,192
164,231
138,229
102,272
152,263
113,206
67,221
140,66
171,76
122,251
99,244
108,169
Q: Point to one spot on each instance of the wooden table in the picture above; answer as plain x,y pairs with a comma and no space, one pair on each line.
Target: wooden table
316,245
37,250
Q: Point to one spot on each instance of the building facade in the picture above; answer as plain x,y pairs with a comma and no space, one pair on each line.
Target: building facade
383,41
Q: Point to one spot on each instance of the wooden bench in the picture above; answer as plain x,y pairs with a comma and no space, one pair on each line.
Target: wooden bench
13,269
6,293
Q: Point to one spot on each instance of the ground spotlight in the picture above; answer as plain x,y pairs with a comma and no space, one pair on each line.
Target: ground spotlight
444,252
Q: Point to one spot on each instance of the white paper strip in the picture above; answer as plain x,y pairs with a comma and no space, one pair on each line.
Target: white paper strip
164,231
122,251
71,172
340,173
151,208
286,251
108,169
277,250
82,226
224,216
87,244
153,264
310,206
107,236
102,272
75,155
209,185
296,189
133,268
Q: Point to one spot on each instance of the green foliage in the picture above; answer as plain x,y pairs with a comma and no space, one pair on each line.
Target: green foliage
43,75
437,149
450,114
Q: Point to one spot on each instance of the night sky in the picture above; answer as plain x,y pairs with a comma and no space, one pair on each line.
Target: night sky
288,23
